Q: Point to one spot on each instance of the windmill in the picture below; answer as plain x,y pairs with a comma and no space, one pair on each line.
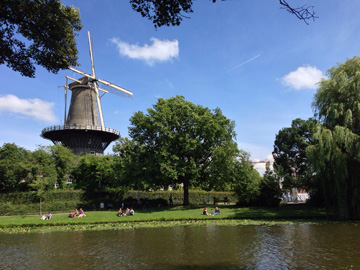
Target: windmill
84,129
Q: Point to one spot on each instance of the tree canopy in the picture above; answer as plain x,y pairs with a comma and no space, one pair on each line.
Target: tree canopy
335,154
95,173
290,153
182,142
40,32
247,182
130,164
14,167
22,170
43,175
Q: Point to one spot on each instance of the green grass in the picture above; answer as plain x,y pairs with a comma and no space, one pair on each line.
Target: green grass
166,216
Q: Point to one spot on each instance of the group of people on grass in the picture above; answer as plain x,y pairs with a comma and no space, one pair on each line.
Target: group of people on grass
46,217
217,212
127,212
77,213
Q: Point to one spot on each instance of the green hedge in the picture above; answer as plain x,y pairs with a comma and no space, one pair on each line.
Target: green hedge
20,203
17,197
195,196
30,197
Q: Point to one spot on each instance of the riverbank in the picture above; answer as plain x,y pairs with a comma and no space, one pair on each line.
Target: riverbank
164,217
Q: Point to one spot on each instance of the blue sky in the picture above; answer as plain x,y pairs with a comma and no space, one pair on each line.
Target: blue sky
253,60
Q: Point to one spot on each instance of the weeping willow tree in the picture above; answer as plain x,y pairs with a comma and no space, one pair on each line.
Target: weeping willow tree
336,153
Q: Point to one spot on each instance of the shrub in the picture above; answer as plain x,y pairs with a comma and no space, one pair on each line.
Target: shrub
20,203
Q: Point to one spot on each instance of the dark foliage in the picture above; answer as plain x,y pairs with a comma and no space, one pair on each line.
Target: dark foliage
40,32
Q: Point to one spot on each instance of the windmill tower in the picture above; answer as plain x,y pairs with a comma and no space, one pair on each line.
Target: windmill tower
84,130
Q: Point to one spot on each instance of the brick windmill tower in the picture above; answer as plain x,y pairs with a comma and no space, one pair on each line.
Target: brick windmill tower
84,130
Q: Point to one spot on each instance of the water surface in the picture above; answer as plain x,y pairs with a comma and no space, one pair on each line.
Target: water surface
291,246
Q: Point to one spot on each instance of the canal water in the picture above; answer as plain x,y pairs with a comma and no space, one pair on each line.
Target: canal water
291,246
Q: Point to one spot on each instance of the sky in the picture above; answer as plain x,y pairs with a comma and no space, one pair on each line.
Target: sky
256,62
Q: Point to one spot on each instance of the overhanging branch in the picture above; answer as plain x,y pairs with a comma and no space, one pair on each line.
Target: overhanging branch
304,13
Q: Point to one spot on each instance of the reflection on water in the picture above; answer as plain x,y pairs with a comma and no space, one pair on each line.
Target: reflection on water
296,246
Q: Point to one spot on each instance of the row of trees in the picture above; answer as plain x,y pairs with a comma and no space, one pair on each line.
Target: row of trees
23,170
179,142
322,154
175,143
54,166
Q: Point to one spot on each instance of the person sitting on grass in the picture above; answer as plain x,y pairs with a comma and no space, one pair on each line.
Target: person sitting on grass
127,213
132,212
205,212
76,212
81,213
49,216
43,217
120,213
71,214
217,211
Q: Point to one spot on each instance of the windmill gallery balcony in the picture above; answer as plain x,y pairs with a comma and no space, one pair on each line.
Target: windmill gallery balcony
81,139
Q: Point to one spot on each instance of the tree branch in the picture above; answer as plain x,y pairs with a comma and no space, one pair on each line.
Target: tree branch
304,13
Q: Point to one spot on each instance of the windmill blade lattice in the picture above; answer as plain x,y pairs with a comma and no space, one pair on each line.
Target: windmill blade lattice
114,91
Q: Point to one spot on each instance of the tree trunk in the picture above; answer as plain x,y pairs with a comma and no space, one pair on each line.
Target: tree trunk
186,193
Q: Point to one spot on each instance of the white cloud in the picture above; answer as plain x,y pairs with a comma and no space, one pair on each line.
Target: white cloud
34,108
305,77
158,51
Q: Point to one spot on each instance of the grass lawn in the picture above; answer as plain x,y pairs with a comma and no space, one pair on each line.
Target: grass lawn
155,216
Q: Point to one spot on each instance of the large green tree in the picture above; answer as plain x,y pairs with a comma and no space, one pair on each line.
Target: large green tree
65,162
336,153
95,173
247,184
15,167
40,32
181,141
290,154
43,172
131,164
269,190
